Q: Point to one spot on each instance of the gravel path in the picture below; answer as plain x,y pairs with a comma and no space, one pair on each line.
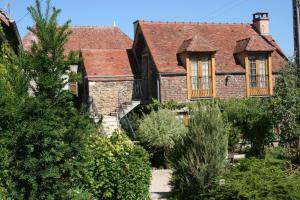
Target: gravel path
160,187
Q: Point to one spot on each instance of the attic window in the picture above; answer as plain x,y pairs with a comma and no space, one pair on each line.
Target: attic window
201,75
259,74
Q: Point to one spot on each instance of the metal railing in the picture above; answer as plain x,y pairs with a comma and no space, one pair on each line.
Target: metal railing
137,89
136,95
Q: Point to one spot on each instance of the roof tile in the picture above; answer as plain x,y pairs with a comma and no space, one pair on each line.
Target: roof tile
165,38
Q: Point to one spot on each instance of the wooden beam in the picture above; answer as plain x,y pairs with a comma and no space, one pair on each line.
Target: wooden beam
247,75
213,70
188,77
270,74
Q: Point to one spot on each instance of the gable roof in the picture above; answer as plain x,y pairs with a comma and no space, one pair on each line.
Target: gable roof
104,51
11,33
253,44
196,44
108,64
90,37
165,38
4,18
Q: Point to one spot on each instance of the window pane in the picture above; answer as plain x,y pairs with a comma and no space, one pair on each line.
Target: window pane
205,73
194,73
252,62
262,72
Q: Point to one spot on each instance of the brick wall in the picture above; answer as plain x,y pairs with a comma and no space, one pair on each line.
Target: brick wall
105,94
173,88
232,87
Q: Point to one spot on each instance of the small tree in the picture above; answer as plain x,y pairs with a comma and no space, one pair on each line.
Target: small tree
201,155
47,133
252,118
285,106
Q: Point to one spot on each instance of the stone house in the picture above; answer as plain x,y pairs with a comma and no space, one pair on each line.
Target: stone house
177,61
107,70
192,61
9,31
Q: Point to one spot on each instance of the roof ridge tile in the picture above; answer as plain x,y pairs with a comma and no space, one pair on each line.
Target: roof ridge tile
182,22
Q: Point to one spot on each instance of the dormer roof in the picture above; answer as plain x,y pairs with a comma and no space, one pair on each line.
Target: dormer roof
196,44
253,44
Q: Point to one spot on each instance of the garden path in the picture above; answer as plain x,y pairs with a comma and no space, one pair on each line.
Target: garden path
160,187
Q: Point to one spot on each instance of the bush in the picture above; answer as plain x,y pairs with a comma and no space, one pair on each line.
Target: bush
258,179
158,132
285,106
201,155
117,169
251,118
161,130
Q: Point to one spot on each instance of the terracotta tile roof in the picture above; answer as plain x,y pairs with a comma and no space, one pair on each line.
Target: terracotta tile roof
4,18
253,44
165,38
102,64
104,50
196,44
90,37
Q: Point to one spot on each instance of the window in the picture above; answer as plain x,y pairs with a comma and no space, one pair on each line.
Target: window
259,77
201,76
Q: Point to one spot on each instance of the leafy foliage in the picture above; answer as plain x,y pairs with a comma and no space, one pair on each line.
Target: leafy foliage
42,135
117,169
251,118
258,179
200,156
161,129
285,108
49,66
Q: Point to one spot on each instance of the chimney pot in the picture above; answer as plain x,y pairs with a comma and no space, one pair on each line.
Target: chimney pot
261,22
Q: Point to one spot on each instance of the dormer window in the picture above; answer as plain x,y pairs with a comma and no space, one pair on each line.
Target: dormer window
259,74
201,75
254,54
200,64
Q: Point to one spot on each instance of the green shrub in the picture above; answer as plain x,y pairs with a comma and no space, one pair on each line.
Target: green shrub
258,179
117,169
251,118
158,132
285,106
161,129
200,156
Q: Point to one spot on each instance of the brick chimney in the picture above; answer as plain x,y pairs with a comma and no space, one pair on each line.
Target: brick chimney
261,23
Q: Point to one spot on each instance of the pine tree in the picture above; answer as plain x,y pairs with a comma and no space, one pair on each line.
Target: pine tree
200,156
47,138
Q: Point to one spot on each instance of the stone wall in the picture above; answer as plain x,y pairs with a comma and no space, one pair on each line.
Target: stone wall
230,86
173,88
105,94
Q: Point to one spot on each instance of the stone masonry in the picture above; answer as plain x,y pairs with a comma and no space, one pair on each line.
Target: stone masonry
105,94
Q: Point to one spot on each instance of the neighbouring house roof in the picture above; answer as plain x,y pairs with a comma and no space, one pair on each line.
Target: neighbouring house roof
108,64
253,44
90,37
10,30
196,44
165,39
104,50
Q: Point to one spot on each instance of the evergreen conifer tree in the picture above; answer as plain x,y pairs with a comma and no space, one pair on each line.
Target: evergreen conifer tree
48,133
201,155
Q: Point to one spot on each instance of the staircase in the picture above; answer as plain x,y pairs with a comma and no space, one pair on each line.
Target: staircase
111,122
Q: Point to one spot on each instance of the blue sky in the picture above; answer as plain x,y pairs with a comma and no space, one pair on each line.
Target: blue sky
125,12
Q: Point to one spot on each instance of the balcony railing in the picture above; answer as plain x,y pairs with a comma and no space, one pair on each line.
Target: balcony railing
201,87
259,85
137,89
